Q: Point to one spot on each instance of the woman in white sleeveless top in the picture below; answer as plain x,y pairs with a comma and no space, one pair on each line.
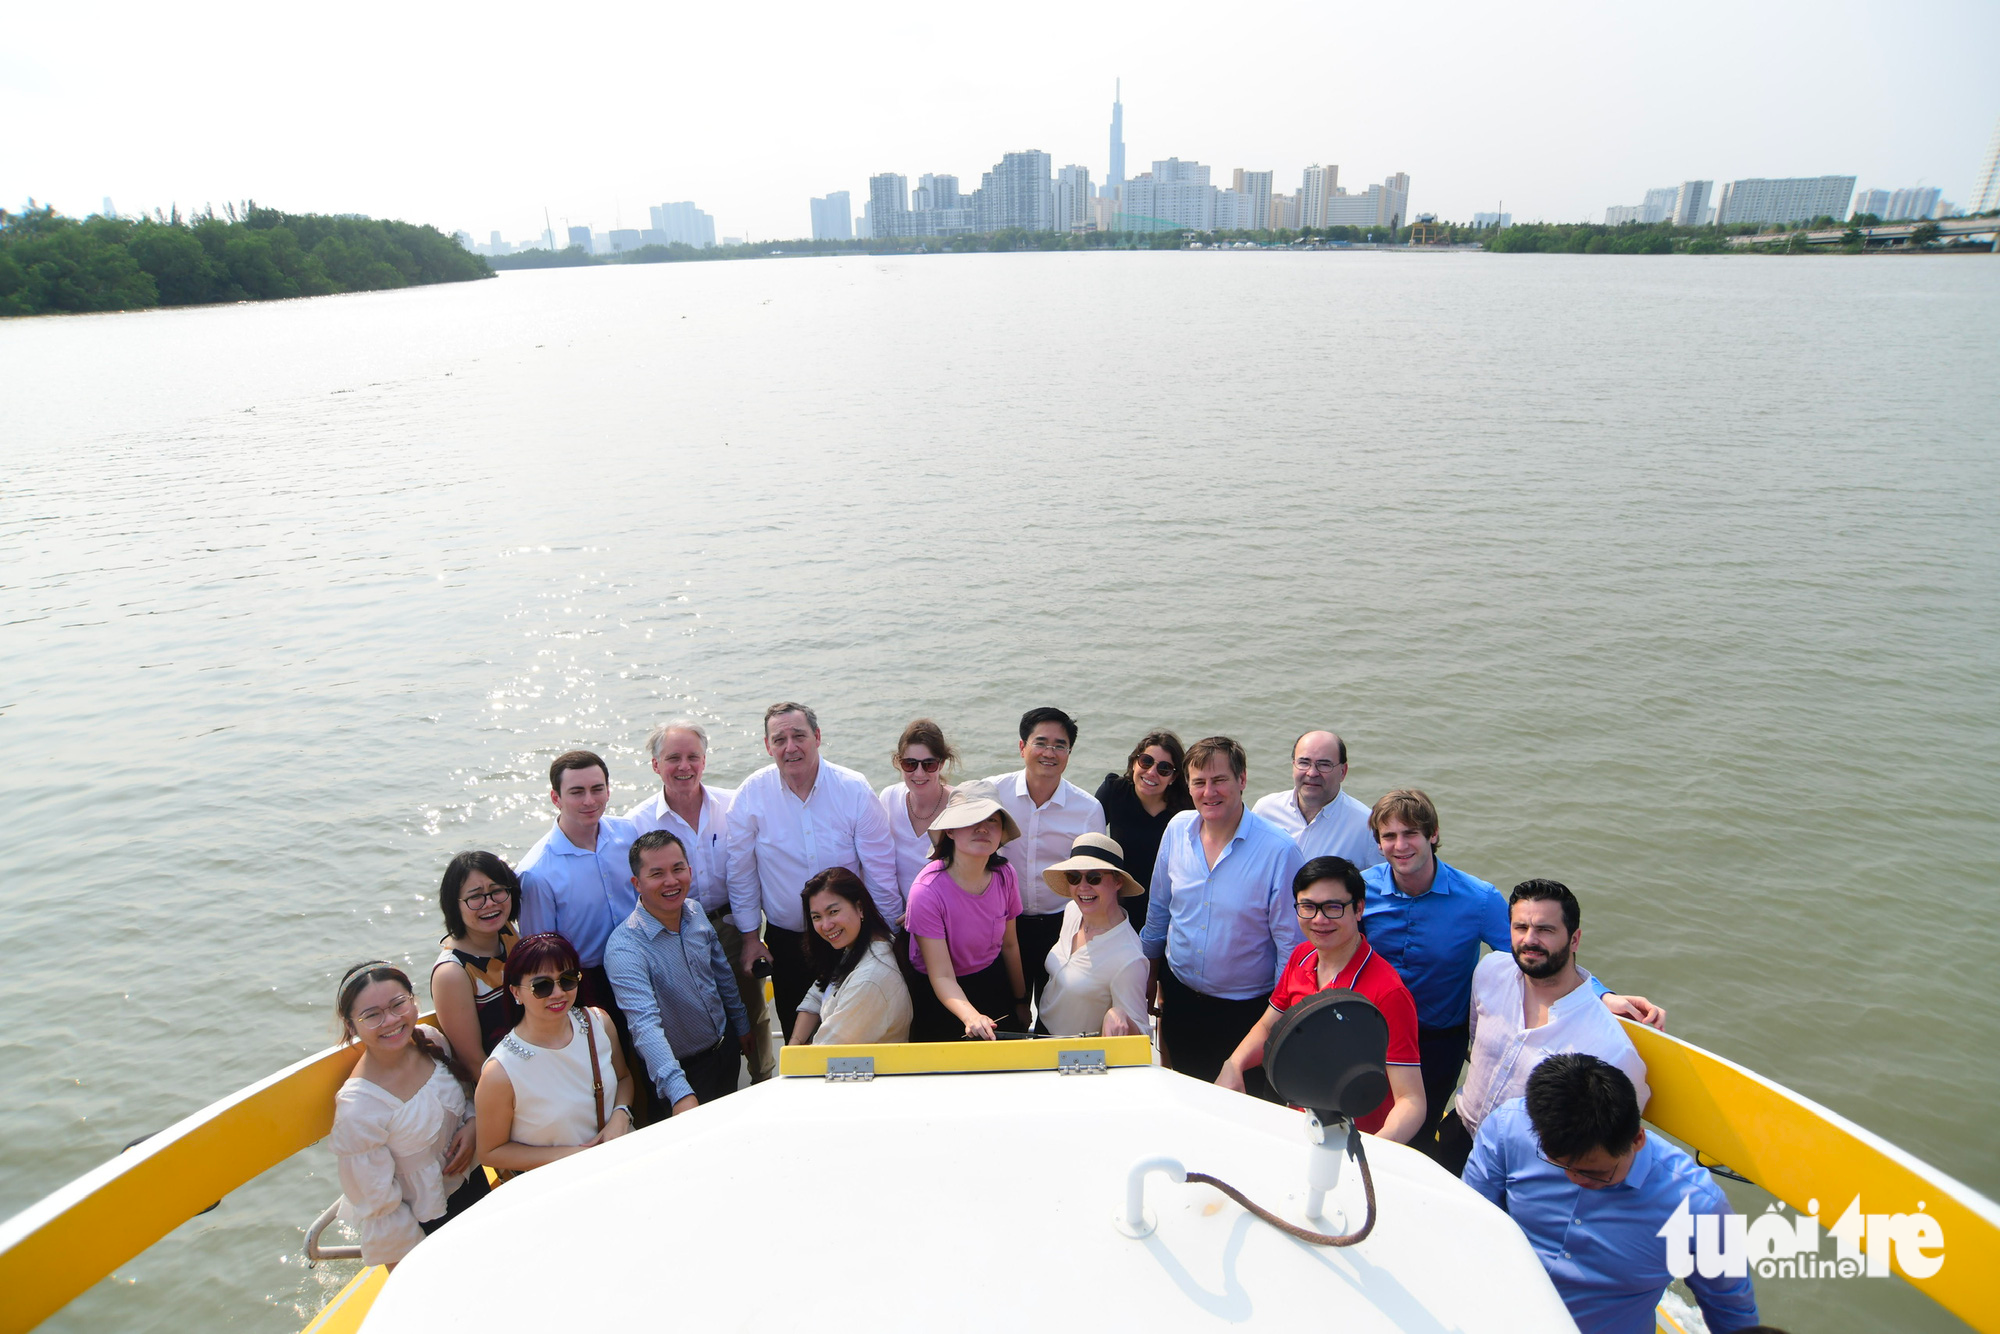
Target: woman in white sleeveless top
923,755
539,1097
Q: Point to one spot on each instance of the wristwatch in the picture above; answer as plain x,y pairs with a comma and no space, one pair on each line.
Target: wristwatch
630,1119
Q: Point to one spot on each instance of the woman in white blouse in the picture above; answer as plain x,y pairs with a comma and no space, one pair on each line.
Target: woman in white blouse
912,804
1097,972
858,993
402,1123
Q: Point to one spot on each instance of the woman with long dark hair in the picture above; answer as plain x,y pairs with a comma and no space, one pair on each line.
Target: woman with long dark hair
403,1130
1138,804
480,897
858,993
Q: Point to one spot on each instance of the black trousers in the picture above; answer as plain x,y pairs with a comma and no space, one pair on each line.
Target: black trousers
469,1193
714,1072
1454,1144
1442,1052
1037,935
1198,1032
791,975
990,990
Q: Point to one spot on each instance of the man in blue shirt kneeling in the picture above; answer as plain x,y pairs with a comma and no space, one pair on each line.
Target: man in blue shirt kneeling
1571,1164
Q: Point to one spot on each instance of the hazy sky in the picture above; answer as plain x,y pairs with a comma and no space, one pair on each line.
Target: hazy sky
478,116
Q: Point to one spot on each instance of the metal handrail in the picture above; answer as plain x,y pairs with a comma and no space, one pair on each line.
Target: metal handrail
316,1252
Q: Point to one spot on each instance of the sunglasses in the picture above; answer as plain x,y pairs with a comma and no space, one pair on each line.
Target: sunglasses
1093,877
1147,764
910,766
543,987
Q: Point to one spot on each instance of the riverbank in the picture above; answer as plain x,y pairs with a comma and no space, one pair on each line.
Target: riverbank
51,264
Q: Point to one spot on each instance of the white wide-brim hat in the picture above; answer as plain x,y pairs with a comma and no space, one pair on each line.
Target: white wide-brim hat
971,803
1092,852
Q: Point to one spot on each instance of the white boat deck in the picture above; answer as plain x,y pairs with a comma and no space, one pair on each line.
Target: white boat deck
968,1202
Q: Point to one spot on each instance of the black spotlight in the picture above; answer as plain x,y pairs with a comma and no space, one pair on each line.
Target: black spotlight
1329,1054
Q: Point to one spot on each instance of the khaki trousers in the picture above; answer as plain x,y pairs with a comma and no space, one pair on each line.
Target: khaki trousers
762,1062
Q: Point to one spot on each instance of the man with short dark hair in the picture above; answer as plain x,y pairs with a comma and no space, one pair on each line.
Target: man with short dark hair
675,982
1220,922
1051,812
792,819
575,881
1596,1195
1323,820
1527,1005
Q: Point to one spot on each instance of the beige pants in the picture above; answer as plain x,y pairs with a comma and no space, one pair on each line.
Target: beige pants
762,1062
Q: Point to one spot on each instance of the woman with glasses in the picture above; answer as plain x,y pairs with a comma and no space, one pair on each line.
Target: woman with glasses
912,804
1097,972
558,1083
1139,802
1328,893
402,1123
480,897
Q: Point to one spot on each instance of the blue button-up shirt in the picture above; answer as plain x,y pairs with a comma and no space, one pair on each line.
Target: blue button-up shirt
677,990
1602,1248
1432,939
1226,931
578,892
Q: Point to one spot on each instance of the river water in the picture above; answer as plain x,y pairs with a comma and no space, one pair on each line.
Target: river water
1672,578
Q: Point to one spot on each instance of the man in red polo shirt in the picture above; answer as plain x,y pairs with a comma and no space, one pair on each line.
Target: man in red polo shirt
1328,892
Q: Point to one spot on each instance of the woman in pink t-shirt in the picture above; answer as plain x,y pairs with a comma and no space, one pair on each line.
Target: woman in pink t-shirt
965,965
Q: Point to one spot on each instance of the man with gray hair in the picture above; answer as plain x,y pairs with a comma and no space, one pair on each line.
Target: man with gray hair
697,814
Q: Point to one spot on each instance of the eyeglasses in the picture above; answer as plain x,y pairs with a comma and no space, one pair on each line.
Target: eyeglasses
543,987
1093,877
375,1018
497,894
1309,909
1314,766
1147,764
910,766
1040,743
1601,1178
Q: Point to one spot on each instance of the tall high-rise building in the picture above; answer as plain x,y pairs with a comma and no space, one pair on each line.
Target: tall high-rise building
1071,202
685,223
1871,201
1015,194
833,217
936,191
1316,188
1659,204
580,236
1255,187
1691,203
1114,178
888,205
1789,199
1919,201
1173,194
1986,192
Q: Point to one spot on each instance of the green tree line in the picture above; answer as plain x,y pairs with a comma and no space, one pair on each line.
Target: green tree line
50,263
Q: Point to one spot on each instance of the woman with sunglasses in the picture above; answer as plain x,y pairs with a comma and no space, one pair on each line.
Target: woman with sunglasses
558,1083
912,804
1138,804
1328,893
402,1123
480,897
1097,972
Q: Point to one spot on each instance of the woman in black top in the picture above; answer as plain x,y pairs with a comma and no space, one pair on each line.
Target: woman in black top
1139,802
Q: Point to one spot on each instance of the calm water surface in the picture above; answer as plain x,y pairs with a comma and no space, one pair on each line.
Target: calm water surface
1672,578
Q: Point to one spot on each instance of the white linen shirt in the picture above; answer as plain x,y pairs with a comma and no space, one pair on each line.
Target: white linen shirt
872,1004
1339,830
707,846
1084,983
1505,1051
913,850
1046,834
777,843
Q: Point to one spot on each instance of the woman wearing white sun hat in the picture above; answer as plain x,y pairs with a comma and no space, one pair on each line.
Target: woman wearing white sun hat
1097,971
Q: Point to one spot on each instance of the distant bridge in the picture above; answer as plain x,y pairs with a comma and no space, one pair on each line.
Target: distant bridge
1883,234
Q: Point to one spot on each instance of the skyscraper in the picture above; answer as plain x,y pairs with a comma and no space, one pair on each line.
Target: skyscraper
1791,199
1871,201
1659,204
1255,187
580,236
1015,194
1986,194
1315,189
1691,203
833,217
1114,180
1919,201
685,223
1072,199
888,205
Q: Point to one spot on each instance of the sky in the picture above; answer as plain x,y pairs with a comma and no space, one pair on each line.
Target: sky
482,117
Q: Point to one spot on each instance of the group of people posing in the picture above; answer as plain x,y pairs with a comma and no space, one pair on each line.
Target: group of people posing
616,975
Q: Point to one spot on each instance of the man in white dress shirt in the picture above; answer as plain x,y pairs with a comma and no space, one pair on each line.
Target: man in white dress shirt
1322,820
1051,812
698,815
791,820
1527,1006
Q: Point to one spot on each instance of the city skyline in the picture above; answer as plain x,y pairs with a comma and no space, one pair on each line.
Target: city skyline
1553,109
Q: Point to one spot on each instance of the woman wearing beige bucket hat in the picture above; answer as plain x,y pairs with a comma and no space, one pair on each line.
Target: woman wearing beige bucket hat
1097,972
964,959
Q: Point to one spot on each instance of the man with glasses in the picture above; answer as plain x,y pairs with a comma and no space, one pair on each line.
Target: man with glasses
1327,894
1051,811
1596,1195
1527,1006
575,881
1322,820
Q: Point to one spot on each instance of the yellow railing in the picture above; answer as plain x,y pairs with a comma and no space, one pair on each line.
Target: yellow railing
1800,1152
939,1058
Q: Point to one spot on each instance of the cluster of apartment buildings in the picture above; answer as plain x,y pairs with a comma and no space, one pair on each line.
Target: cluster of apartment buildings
1769,201
682,222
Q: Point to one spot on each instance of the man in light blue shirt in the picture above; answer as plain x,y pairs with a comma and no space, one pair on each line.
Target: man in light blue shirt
1573,1166
577,881
1220,915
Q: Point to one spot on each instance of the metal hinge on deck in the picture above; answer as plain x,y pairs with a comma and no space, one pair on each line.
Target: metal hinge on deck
1080,1062
850,1069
